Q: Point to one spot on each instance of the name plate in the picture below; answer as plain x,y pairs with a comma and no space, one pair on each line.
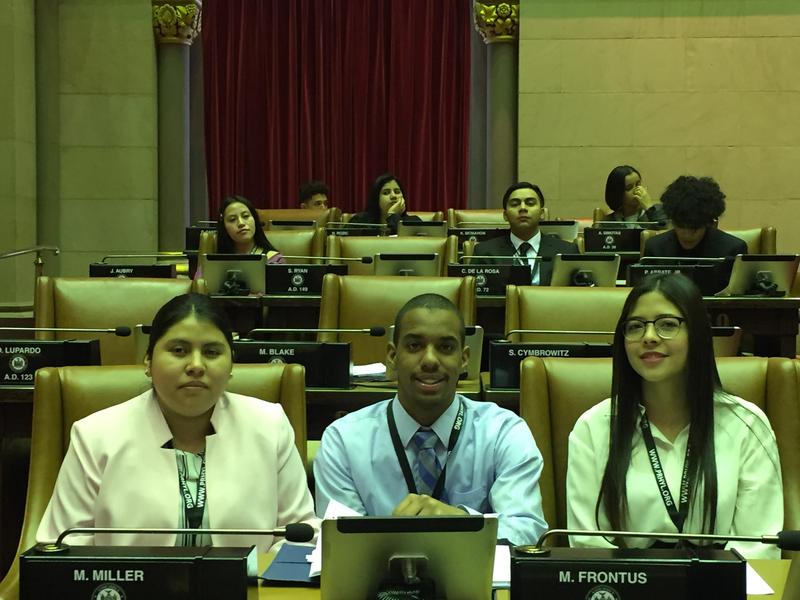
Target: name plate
477,234
355,230
491,280
327,363
504,357
105,270
135,573
629,574
19,359
599,239
299,280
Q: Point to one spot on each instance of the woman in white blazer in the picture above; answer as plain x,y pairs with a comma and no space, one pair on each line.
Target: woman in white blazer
183,454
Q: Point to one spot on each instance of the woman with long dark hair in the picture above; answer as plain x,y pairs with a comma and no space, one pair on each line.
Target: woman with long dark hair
239,230
671,451
628,199
386,204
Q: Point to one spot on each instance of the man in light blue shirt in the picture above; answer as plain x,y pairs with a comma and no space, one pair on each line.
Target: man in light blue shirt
429,451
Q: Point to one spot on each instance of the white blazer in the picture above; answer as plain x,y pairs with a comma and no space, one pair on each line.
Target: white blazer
117,474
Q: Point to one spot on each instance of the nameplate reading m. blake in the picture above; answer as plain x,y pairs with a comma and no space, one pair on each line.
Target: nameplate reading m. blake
628,574
504,357
491,280
19,359
106,270
299,280
327,363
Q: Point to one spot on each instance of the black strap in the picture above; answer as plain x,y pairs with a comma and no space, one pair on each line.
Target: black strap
193,509
677,514
403,459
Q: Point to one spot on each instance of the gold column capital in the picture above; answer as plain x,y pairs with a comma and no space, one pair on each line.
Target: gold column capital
496,21
176,21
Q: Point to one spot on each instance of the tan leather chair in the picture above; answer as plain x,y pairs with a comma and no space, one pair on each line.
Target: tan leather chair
357,246
321,217
358,302
302,242
599,213
435,215
84,302
759,241
476,217
64,395
555,392
563,308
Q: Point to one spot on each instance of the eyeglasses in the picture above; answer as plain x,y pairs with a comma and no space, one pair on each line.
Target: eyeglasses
666,328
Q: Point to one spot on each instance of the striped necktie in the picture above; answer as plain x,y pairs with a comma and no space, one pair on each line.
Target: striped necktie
523,249
428,469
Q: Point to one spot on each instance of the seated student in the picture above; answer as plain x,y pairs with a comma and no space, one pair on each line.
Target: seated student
314,195
428,450
629,199
522,208
386,204
239,230
666,399
183,454
694,205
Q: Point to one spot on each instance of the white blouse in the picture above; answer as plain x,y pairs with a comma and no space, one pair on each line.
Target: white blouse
749,486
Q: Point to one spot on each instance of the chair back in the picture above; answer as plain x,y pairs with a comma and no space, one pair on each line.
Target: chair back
321,217
98,302
563,309
759,241
358,246
290,242
359,302
66,394
434,215
555,392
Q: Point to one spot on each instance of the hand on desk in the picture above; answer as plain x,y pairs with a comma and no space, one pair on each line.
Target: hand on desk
421,505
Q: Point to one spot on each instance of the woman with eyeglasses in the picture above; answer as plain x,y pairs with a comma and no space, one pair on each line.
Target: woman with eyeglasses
671,451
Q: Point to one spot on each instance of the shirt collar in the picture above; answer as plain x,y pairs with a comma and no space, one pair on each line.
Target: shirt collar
535,241
407,426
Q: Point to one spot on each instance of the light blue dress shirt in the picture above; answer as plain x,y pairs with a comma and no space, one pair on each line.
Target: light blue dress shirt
494,467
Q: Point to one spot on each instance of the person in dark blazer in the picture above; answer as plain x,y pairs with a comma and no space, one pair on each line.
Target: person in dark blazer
522,208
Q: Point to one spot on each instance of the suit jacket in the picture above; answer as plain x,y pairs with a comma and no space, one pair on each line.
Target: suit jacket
715,244
550,246
117,474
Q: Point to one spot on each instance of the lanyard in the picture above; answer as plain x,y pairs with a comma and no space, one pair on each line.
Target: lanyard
403,459
678,515
193,509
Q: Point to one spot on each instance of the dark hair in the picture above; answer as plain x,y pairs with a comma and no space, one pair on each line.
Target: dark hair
180,307
431,302
702,381
523,185
615,185
225,244
693,202
373,208
310,188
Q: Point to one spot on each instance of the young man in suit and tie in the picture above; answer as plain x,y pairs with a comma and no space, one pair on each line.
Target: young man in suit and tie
428,450
522,208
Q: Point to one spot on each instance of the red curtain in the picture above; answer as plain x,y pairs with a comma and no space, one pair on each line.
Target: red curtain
337,90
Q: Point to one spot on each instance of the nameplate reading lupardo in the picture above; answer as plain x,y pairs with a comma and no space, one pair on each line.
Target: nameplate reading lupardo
19,359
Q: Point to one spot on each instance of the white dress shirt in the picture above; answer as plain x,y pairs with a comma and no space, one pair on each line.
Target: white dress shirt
533,252
749,486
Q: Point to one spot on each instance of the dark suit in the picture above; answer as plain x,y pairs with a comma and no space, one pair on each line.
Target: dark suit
550,246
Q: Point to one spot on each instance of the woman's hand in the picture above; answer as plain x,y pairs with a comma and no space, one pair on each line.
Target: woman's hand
398,208
643,197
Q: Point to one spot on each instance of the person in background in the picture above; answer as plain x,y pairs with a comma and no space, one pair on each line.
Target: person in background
429,450
183,454
522,208
239,230
314,195
671,450
629,200
386,204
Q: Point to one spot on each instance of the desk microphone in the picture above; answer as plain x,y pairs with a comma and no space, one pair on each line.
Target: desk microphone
785,540
121,331
559,331
346,225
367,260
372,331
293,532
624,224
508,257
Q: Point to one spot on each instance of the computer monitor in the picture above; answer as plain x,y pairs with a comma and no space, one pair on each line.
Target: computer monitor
762,275
221,270
566,230
423,228
456,552
710,275
596,270
425,265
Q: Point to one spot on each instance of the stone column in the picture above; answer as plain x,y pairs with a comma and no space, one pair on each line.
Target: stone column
498,24
176,24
